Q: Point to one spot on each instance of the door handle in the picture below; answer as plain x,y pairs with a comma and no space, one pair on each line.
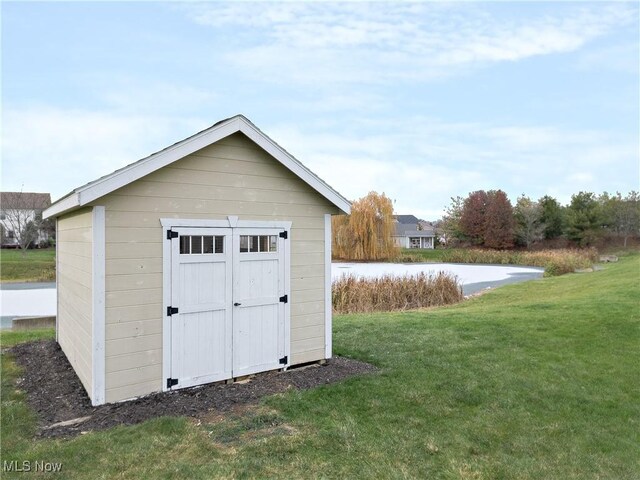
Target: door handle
237,304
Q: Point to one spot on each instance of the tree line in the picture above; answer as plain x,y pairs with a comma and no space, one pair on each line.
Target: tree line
488,219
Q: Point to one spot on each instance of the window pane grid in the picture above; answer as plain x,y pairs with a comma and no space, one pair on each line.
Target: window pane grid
201,244
258,243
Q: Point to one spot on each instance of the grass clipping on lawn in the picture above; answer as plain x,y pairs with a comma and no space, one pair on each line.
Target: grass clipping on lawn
351,294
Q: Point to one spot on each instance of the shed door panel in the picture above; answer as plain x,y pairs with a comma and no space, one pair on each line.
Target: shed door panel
201,331
258,315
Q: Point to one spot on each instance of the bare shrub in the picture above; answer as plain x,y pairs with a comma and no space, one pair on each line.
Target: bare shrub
351,294
555,262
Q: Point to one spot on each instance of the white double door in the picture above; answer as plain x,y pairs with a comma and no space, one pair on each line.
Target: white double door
227,285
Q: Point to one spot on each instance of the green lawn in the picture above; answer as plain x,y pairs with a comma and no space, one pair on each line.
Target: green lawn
28,265
538,380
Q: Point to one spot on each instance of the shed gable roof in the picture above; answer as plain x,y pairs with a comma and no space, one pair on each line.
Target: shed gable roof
222,129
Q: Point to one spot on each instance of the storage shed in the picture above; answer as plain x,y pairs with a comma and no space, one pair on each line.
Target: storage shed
208,260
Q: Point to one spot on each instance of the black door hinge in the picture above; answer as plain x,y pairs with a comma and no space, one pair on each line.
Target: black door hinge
171,311
284,360
284,235
171,234
284,299
171,382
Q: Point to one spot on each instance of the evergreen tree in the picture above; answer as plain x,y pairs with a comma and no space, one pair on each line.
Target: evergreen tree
552,217
621,215
584,218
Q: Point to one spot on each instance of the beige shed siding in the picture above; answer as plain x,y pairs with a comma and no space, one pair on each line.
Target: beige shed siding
74,291
231,177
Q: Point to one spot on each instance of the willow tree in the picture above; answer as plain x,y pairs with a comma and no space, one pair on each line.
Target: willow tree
365,234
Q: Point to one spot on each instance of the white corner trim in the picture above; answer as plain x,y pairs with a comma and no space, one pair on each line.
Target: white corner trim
98,188
98,306
67,203
233,220
57,284
328,317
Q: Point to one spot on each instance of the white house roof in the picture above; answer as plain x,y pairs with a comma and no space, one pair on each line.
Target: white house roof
102,186
407,219
24,200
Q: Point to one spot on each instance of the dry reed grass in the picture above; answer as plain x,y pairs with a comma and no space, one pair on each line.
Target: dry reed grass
555,262
351,294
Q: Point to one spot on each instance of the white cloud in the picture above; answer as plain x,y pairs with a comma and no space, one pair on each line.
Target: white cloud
315,43
581,178
619,57
157,97
421,162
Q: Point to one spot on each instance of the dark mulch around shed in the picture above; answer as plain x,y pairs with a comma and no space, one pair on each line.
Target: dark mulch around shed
55,393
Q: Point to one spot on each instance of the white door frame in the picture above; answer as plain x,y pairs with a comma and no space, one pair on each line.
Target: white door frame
230,222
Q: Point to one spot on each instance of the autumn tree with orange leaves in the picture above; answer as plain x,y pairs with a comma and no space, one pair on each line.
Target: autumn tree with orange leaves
365,234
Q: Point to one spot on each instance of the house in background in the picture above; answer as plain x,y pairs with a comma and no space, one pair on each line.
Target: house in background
407,219
17,210
411,232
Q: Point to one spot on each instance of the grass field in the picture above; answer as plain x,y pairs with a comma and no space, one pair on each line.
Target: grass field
28,266
538,380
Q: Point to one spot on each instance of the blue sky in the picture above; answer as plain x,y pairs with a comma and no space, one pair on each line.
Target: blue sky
423,101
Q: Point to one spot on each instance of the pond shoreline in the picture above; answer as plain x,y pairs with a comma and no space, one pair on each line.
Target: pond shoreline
39,298
474,278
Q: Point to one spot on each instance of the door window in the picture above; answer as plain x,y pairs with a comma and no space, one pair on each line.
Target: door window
201,244
258,243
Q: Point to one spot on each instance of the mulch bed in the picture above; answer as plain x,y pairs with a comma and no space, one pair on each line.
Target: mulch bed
55,393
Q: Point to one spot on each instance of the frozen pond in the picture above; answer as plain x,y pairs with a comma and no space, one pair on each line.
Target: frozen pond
26,300
39,299
473,278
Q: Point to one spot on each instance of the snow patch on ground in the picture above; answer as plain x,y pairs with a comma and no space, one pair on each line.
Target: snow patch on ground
27,303
465,273
472,278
